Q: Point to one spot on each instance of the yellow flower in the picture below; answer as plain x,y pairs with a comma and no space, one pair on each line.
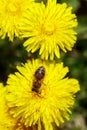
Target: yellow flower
39,94
48,28
11,12
7,122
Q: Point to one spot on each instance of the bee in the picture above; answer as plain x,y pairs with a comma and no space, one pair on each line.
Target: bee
39,75
36,86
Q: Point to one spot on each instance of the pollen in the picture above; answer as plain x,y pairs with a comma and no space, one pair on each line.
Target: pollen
48,29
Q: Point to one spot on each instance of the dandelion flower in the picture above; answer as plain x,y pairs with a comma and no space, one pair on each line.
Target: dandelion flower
7,122
48,28
11,12
40,95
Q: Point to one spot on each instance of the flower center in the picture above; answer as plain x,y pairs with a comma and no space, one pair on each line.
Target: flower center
47,29
13,9
19,126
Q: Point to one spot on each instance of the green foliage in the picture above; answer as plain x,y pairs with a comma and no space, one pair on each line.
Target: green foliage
82,27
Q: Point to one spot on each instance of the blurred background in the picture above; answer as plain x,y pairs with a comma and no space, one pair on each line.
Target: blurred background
12,54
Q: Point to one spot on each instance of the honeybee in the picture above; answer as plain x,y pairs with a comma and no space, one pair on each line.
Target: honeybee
36,86
39,75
